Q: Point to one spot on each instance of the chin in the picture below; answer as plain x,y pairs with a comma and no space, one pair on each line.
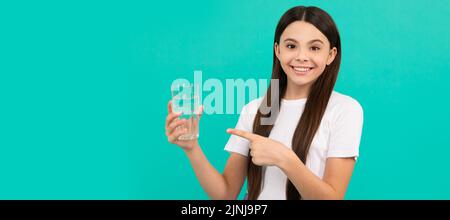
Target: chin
300,80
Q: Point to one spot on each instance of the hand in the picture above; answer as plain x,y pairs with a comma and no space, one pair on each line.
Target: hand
264,151
176,127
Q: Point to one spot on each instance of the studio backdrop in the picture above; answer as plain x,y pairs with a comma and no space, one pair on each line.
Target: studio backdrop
84,87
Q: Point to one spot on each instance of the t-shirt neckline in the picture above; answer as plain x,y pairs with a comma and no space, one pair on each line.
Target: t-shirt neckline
293,101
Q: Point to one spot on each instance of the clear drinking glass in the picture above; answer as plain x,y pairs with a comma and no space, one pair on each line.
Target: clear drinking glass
185,99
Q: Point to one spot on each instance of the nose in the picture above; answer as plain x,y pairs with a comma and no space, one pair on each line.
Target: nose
302,55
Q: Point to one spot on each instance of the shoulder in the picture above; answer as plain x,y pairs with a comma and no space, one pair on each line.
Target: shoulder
252,107
340,102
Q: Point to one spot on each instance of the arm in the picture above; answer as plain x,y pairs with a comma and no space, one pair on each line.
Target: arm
267,152
338,172
216,185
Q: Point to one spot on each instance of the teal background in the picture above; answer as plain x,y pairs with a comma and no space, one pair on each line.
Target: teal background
84,87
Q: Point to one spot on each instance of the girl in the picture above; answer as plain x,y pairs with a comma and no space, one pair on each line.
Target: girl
311,149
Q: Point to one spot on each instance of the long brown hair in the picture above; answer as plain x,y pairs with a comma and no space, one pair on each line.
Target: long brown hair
317,100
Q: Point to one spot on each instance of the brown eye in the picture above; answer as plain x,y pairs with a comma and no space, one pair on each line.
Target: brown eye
290,46
315,48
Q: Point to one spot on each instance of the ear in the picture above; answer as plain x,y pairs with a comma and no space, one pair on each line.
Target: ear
276,49
331,55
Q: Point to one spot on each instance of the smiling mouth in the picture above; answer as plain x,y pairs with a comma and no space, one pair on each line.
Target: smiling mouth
301,70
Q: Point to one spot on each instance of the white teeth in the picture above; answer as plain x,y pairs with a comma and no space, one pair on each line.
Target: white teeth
301,69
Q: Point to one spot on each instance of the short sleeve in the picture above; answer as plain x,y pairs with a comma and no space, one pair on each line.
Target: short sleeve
235,143
346,130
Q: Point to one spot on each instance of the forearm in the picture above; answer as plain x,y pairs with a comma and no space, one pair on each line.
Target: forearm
210,179
307,183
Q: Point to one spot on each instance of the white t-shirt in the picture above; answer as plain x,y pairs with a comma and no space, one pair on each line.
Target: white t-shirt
338,135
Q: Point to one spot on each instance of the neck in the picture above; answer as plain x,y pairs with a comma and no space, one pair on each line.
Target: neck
296,91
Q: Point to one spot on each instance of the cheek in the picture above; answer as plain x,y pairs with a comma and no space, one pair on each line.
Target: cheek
285,65
286,56
319,71
320,61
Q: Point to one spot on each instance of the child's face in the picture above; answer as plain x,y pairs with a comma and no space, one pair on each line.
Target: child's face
303,52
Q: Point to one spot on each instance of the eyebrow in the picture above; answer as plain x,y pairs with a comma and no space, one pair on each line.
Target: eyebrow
310,42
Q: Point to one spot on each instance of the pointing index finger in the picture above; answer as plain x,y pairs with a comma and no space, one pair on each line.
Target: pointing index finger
244,134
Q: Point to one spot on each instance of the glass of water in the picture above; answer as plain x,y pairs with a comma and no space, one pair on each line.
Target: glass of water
186,100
